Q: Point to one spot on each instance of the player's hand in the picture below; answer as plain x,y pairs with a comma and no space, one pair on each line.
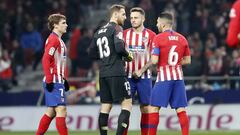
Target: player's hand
137,74
49,86
129,57
66,84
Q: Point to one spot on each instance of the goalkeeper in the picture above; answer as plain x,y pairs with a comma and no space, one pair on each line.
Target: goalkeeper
108,47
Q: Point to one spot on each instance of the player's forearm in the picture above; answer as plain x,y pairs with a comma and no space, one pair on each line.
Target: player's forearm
146,67
186,60
119,47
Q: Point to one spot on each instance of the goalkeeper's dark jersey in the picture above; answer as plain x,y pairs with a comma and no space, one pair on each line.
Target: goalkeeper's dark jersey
108,46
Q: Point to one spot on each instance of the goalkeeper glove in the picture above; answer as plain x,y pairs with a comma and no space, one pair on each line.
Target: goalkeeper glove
66,85
129,57
49,86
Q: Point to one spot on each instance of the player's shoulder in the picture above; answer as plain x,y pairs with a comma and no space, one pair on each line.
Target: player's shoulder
117,28
160,35
236,3
180,35
150,32
126,30
107,29
182,38
53,38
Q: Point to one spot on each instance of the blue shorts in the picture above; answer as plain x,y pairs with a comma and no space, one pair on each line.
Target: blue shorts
172,92
56,97
143,88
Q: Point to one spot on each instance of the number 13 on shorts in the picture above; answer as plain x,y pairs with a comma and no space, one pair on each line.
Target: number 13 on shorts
127,86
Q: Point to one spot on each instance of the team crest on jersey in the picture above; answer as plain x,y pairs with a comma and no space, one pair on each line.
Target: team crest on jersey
232,13
51,51
145,40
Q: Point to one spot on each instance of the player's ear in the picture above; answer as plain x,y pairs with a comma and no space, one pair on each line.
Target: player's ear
143,18
115,15
54,25
163,25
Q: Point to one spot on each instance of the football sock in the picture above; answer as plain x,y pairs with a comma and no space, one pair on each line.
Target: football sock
123,120
103,123
184,122
144,124
44,124
153,121
126,129
61,126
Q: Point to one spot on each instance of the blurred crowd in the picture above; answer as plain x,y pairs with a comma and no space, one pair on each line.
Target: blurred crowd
23,31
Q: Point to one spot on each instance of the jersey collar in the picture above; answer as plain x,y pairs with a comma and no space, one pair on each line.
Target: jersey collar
170,31
55,34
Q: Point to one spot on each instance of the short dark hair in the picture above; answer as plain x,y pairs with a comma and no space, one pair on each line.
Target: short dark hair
138,9
115,7
54,19
168,16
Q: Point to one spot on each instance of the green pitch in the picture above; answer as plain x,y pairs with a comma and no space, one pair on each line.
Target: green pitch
131,133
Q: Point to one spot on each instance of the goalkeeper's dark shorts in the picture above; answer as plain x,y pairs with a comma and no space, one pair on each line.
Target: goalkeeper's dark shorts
114,89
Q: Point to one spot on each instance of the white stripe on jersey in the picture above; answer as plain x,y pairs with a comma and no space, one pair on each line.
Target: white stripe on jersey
134,38
161,74
58,60
168,73
139,56
63,63
179,70
54,78
142,58
174,73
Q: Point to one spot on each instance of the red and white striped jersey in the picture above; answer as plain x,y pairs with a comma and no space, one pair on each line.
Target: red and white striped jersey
54,59
140,44
171,47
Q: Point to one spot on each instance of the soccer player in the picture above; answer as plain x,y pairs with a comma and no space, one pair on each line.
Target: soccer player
233,36
108,46
139,41
170,52
54,82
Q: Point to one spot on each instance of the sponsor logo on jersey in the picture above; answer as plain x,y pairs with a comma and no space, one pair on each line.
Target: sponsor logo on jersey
134,48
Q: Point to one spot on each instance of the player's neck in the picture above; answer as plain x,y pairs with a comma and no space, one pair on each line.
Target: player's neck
58,33
113,20
139,29
167,29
